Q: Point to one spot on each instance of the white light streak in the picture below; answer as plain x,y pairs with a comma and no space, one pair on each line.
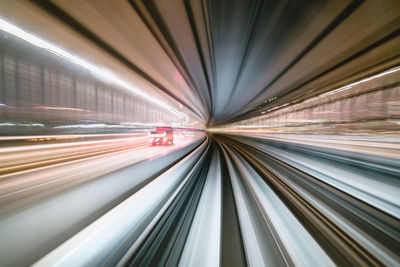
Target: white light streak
341,89
99,71
347,87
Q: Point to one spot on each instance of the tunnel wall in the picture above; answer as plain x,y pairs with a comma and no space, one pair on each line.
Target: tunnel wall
369,105
37,86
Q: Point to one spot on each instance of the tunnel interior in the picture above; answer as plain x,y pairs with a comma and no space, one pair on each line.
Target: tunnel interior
200,133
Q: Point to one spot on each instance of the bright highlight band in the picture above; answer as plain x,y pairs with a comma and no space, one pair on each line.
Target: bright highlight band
101,72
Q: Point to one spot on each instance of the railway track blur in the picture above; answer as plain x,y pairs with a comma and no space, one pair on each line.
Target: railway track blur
349,230
225,201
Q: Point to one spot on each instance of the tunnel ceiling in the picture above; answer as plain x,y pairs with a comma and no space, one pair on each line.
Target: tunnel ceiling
227,60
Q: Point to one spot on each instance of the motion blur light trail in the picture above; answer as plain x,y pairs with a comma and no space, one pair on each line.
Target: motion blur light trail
41,207
294,204
98,71
23,157
287,215
200,133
